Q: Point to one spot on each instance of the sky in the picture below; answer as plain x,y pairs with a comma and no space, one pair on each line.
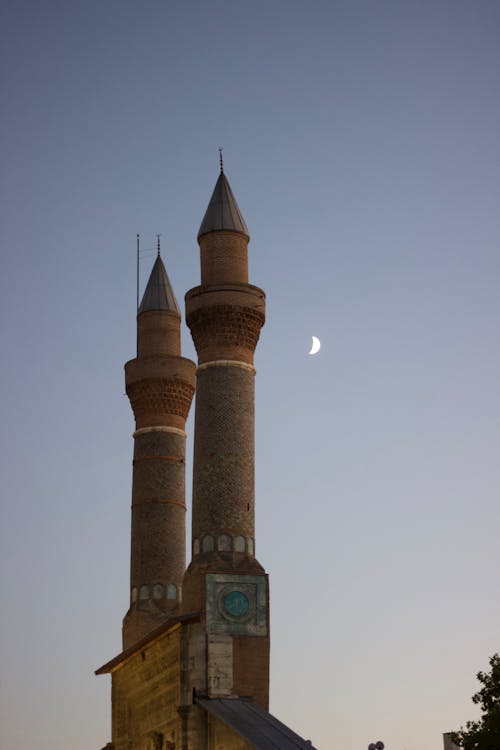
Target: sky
361,140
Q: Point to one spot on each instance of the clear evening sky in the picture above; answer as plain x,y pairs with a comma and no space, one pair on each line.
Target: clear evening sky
361,140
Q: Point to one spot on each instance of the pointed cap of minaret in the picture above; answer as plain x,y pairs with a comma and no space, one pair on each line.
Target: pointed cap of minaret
223,214
159,294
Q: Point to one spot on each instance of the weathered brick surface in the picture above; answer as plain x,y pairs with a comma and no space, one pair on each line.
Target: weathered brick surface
158,554
158,333
224,258
158,547
223,472
251,668
159,467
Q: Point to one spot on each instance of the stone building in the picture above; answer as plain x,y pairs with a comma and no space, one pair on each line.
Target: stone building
194,670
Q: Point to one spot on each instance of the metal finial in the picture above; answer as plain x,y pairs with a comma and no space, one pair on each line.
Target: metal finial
158,243
221,160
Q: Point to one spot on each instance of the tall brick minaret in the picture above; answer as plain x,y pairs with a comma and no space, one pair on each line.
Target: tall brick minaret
224,580
160,386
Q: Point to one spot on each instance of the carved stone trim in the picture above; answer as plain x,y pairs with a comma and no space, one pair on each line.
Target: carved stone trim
227,363
143,430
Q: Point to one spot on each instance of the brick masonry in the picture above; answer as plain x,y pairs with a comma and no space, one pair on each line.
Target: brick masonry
225,315
223,258
225,321
223,483
158,506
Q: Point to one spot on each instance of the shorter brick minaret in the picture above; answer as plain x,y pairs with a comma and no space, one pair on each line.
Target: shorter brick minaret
160,386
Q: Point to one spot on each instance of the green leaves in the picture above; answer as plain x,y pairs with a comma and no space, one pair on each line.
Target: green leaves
485,733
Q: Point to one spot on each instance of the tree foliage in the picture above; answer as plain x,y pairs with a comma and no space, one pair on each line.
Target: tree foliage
485,733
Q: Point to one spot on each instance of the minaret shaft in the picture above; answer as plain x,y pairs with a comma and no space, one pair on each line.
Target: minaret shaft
158,510
223,482
160,386
225,322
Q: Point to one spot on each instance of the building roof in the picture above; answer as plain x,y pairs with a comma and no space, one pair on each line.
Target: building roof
259,728
170,624
159,294
223,213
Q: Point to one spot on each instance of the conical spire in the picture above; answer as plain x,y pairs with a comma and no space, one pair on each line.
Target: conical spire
159,294
223,213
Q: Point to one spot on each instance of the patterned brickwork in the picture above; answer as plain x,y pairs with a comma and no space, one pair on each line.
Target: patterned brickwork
154,400
158,546
223,481
225,330
158,468
158,494
158,538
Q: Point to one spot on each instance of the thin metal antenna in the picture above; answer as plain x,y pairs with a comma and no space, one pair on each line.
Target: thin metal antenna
137,292
158,243
221,160
137,274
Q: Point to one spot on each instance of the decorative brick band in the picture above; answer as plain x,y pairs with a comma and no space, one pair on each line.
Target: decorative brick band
156,591
158,501
227,363
224,543
180,459
226,325
161,428
160,396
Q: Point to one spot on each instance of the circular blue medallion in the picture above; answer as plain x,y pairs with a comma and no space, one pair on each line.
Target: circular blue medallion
236,604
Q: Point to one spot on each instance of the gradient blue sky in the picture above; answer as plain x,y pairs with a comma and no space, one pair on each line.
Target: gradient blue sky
362,142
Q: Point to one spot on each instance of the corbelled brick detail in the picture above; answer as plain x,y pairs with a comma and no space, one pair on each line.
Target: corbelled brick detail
156,399
225,321
221,329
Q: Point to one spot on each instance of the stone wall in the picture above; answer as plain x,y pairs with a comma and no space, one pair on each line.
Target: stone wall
146,696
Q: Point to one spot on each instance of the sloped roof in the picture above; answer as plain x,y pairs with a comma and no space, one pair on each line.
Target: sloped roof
159,294
172,622
223,213
262,730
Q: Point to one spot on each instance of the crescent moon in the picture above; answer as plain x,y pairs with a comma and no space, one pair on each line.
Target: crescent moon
316,345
